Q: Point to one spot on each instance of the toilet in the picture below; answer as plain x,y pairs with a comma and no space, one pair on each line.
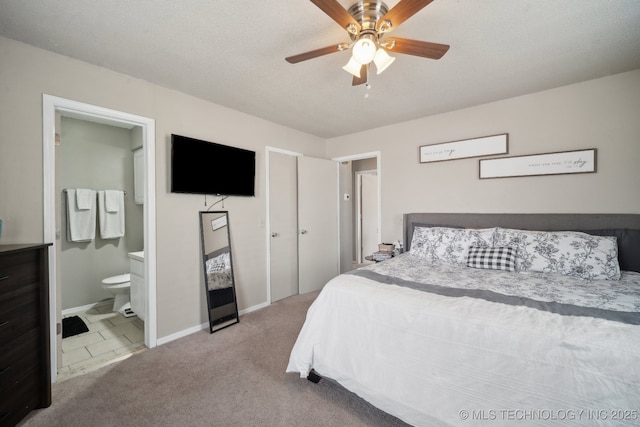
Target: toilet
119,286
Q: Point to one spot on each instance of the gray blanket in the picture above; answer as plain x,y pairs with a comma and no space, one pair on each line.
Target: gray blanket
405,271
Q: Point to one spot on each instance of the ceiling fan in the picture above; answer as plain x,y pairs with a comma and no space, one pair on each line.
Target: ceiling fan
367,23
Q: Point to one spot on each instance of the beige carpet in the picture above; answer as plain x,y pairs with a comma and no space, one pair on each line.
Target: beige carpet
234,377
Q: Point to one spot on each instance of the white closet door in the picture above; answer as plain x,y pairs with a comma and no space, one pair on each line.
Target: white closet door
283,225
318,254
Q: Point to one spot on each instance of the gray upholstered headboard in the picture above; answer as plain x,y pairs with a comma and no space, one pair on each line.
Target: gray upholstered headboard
626,227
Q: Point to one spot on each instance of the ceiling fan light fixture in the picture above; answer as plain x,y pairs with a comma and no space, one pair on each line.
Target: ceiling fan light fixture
367,22
353,67
364,49
382,60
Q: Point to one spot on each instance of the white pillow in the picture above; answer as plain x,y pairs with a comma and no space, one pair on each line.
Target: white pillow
448,244
569,253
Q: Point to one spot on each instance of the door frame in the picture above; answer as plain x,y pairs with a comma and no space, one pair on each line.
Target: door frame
369,155
50,106
268,150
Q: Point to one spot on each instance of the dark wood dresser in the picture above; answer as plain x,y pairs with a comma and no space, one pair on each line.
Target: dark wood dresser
25,362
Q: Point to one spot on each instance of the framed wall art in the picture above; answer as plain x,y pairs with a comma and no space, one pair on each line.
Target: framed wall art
560,163
474,147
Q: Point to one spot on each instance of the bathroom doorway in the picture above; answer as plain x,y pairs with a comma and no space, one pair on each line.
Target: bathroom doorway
360,233
58,114
94,276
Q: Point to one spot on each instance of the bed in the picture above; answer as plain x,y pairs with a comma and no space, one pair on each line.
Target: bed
530,318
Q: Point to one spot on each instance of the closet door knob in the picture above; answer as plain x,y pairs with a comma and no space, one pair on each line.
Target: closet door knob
303,231
274,234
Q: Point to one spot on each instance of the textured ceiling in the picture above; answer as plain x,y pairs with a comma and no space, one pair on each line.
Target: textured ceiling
231,52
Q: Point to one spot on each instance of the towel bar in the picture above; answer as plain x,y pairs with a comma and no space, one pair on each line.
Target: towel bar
124,192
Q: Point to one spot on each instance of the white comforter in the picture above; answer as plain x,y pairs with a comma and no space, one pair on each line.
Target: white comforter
438,360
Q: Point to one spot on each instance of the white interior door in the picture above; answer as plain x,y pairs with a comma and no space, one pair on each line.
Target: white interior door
283,225
318,254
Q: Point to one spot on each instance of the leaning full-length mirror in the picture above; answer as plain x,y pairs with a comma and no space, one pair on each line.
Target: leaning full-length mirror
218,270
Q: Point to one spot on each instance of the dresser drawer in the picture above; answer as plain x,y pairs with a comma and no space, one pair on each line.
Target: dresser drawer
18,357
19,312
18,269
21,398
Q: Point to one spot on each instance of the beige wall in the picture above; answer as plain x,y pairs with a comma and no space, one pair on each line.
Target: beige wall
26,73
602,114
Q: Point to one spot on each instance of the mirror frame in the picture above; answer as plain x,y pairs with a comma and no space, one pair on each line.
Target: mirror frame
217,323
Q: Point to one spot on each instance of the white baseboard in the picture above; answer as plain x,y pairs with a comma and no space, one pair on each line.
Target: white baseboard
168,338
204,326
74,310
182,333
254,308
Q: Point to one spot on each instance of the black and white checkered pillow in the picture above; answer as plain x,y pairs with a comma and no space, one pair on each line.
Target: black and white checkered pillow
499,258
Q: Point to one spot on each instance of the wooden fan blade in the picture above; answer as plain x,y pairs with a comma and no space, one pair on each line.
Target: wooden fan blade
419,48
363,77
337,12
402,11
313,54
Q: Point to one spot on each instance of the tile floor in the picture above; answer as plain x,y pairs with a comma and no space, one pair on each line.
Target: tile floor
111,338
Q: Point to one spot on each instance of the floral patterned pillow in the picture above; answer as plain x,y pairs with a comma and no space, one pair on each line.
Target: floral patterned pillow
570,253
448,244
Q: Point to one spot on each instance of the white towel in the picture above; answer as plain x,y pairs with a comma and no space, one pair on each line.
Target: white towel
112,200
111,223
85,198
81,224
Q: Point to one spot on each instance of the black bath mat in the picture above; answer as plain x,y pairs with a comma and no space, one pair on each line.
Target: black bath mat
73,326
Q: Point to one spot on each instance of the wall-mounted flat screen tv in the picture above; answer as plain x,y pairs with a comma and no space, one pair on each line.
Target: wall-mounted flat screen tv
203,167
